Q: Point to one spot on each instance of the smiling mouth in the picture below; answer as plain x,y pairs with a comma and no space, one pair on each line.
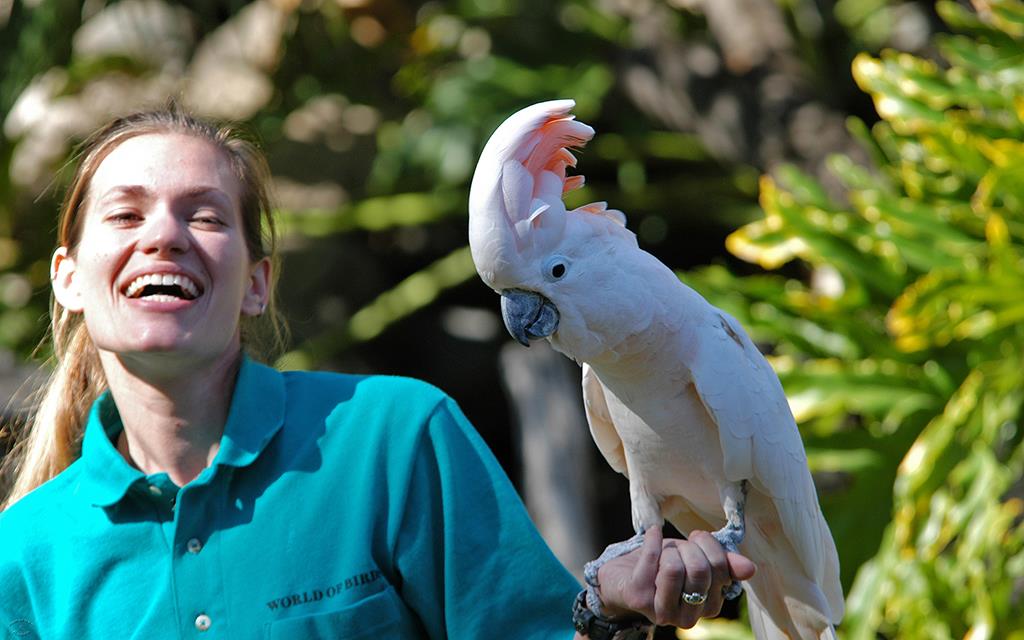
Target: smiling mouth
163,287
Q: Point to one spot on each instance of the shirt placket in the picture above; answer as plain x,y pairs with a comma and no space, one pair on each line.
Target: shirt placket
198,583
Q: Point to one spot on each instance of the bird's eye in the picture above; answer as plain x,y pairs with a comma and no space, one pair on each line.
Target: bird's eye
556,267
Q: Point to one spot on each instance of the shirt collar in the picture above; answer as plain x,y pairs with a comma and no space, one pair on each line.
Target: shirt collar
108,476
255,416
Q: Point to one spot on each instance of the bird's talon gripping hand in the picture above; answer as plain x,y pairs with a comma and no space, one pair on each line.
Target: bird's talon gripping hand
732,591
731,535
729,538
590,569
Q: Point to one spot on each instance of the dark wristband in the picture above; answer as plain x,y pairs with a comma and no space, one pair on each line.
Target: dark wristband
593,626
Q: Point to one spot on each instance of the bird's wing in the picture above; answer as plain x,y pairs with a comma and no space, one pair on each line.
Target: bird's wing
601,426
759,437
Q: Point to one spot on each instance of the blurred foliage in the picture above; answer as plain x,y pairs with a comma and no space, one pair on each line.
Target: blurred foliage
892,293
902,351
373,112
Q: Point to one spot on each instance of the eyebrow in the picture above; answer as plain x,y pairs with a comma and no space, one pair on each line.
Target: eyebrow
139,192
130,191
201,192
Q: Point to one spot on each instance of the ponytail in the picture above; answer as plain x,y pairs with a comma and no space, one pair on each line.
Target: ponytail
54,433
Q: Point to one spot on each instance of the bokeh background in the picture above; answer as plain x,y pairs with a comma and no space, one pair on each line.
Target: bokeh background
845,177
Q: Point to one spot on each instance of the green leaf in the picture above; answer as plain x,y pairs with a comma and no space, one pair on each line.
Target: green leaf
374,214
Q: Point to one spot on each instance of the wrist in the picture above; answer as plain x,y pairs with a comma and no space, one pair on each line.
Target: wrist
614,613
604,626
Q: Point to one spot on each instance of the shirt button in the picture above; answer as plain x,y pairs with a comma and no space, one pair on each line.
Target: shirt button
202,622
155,490
194,545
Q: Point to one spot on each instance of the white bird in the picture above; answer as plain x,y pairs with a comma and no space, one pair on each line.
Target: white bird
678,398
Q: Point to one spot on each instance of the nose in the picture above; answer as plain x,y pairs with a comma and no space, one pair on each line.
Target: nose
164,233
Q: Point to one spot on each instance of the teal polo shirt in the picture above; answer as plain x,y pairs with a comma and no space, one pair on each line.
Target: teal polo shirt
338,506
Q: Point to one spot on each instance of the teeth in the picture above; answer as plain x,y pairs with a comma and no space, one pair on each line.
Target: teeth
165,279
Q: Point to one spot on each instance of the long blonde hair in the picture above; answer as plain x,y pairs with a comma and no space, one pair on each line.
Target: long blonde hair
52,438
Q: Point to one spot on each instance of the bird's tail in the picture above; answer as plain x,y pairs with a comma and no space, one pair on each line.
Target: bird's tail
782,601
790,620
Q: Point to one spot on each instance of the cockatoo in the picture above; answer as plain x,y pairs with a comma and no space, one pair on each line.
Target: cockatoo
677,396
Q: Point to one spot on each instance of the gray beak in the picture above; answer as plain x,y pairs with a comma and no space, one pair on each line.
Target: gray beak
528,315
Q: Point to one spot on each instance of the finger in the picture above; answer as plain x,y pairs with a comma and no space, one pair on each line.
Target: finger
697,580
668,585
720,576
740,566
646,567
636,588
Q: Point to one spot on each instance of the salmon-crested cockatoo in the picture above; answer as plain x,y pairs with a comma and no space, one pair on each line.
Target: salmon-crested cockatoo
678,398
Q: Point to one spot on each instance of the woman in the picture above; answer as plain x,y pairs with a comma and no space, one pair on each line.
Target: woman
171,486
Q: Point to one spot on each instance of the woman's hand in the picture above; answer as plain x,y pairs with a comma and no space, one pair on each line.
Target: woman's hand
651,580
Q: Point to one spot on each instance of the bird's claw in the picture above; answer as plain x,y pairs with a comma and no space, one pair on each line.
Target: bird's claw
730,537
732,590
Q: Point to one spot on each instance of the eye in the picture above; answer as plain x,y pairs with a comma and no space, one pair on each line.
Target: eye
556,268
123,216
207,219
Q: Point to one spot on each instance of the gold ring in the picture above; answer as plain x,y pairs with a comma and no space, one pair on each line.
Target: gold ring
694,598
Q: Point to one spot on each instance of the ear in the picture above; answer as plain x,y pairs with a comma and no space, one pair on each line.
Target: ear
258,294
62,279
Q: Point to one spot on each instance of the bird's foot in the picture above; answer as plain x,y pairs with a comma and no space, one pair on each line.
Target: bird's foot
590,569
732,591
734,500
730,537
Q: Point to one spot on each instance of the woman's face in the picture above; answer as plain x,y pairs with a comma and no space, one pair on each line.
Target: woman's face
162,265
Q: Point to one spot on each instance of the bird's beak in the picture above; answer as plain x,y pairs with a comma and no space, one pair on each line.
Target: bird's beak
528,315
